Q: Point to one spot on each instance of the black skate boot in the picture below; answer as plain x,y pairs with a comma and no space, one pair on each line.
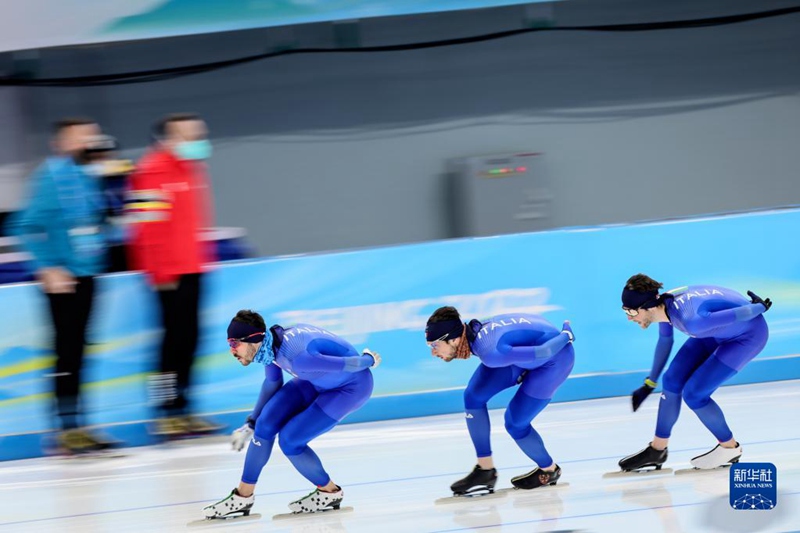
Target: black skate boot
478,481
647,457
537,478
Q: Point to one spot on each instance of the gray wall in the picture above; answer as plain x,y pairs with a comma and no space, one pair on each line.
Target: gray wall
13,152
320,152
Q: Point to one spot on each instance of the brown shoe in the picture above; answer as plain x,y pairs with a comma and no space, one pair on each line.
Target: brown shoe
197,425
171,426
76,441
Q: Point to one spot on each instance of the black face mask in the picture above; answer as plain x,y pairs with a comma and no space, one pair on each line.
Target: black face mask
82,157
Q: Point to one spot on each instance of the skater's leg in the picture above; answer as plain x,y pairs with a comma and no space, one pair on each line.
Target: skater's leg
534,395
536,391
289,400
726,361
294,439
328,409
324,414
691,355
521,411
484,384
697,395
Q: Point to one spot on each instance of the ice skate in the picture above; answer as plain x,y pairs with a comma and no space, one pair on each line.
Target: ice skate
643,459
536,478
318,501
232,506
715,459
478,482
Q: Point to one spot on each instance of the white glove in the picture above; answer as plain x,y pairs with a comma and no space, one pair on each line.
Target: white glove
240,437
376,357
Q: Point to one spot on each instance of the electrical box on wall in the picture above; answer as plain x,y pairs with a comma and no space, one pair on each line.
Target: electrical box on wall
498,194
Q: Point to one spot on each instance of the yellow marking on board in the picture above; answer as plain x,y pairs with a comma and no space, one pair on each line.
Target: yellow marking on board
29,365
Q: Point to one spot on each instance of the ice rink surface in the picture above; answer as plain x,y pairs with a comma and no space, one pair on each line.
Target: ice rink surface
393,472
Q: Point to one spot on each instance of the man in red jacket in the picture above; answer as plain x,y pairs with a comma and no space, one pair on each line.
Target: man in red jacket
169,205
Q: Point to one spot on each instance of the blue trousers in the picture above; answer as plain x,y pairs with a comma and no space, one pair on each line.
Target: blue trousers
699,368
535,392
299,413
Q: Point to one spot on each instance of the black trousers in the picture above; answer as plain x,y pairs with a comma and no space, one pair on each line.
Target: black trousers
180,308
117,258
70,313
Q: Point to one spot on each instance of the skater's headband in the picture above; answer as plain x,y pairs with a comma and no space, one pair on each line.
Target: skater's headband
444,330
639,300
244,332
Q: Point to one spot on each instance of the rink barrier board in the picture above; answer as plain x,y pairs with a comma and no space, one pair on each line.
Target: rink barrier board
380,298
26,446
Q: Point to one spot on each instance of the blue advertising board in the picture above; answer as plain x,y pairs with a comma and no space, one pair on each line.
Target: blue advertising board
381,299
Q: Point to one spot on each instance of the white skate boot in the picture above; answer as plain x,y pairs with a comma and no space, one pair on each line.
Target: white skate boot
717,457
232,506
318,501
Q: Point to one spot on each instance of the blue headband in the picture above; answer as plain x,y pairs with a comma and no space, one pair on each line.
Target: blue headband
639,300
241,330
445,330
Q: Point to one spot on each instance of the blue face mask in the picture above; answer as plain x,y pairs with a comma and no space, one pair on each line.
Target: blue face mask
94,169
265,354
194,150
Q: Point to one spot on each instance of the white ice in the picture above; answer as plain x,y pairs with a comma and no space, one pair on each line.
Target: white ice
393,471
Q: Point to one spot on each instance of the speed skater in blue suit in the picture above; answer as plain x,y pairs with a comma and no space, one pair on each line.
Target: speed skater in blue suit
514,349
726,331
330,380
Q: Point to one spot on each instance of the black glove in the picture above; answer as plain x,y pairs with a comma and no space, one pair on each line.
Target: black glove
568,330
640,394
755,299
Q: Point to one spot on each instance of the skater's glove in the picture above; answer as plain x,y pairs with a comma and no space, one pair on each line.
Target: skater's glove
376,357
641,393
240,437
568,330
756,299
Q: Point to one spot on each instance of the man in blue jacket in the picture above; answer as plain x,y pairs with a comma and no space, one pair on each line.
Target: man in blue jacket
61,228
